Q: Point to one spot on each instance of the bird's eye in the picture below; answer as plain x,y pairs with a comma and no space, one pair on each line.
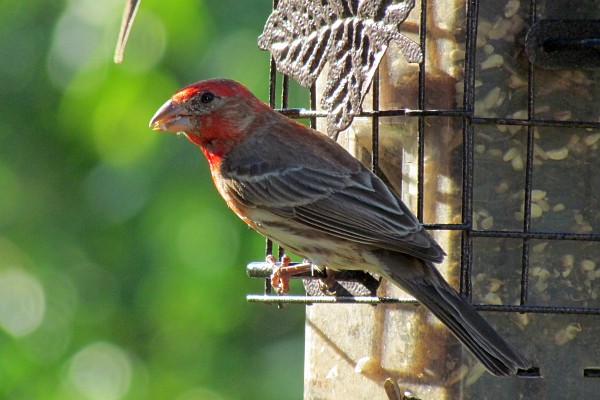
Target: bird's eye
207,97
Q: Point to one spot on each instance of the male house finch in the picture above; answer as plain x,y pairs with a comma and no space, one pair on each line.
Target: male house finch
304,191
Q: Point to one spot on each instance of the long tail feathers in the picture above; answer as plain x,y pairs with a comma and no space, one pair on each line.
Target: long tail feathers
423,281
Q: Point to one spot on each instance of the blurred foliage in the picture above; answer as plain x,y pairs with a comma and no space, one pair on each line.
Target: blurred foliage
121,270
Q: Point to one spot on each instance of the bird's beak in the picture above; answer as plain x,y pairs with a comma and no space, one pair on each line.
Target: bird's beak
171,118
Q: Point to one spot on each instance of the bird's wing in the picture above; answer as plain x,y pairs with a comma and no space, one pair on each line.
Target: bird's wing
348,202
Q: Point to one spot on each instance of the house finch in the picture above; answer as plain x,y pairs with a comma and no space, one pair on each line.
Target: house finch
301,189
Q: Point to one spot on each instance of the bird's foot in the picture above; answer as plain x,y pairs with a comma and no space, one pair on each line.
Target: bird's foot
280,277
327,283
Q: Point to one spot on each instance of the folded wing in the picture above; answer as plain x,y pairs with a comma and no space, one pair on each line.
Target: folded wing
349,203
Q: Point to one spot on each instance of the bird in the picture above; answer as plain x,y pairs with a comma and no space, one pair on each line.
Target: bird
303,190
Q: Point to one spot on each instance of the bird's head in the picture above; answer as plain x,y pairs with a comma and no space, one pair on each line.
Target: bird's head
213,114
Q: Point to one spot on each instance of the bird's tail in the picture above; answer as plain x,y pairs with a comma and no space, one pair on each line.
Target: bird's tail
422,280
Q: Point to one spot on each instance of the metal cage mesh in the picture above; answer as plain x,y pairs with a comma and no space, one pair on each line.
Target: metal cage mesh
472,121
531,124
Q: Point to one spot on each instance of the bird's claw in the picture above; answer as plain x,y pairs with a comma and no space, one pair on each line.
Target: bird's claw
280,281
327,283
280,277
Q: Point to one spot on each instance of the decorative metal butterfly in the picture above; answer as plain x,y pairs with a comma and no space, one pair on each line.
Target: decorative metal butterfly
352,36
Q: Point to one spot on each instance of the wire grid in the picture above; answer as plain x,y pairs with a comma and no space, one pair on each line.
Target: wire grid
469,121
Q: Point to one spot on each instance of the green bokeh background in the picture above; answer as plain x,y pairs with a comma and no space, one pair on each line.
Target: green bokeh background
121,270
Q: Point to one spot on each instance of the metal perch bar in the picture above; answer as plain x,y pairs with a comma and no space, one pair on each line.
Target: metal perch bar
264,270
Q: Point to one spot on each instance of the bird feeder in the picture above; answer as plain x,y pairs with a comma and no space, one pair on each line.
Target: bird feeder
491,136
